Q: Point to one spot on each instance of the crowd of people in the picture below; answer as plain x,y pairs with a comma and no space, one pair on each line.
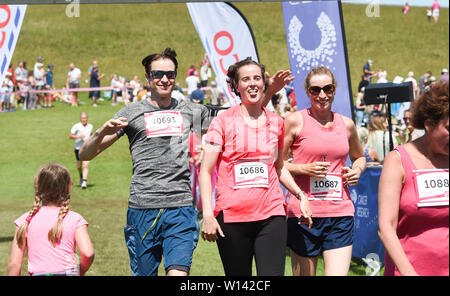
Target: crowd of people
373,119
248,151
26,89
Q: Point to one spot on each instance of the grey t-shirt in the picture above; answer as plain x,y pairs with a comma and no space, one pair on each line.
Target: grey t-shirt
161,176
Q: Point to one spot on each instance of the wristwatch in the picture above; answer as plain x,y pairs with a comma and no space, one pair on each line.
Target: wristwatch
298,195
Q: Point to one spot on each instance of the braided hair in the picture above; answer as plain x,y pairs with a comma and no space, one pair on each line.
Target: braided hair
52,184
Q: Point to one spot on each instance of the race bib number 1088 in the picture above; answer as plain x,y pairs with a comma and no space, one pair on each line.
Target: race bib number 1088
431,187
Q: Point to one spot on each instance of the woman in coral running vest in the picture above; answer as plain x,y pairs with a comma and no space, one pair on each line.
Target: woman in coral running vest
320,141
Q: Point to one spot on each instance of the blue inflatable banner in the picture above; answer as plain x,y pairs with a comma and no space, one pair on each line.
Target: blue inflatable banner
315,37
366,243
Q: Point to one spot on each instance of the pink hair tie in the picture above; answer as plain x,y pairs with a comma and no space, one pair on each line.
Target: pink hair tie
28,219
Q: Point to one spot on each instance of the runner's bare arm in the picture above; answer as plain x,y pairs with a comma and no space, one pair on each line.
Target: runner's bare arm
276,83
102,138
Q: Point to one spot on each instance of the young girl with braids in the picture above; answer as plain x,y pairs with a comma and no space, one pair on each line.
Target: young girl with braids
50,231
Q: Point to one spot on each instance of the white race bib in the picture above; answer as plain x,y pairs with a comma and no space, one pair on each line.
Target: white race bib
251,174
431,187
328,188
163,124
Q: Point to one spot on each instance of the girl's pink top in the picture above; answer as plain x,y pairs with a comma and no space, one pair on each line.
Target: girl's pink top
318,143
436,5
42,256
422,231
242,143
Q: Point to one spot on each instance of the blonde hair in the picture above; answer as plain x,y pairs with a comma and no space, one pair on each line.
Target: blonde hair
321,70
52,184
363,134
376,122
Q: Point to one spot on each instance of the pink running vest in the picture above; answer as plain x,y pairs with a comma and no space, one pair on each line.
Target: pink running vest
423,231
318,143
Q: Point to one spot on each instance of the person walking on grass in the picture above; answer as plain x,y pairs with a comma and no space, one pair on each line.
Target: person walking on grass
50,232
161,219
80,132
320,141
245,142
73,82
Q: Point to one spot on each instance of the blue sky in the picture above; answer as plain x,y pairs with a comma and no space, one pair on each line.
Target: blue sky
422,3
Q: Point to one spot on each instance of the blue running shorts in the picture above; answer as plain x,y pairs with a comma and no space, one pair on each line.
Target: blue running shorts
151,234
325,234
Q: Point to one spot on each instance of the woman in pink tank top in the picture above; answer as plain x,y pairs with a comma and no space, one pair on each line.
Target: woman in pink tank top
413,213
320,141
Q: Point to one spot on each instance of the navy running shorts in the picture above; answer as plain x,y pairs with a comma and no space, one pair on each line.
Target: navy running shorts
325,234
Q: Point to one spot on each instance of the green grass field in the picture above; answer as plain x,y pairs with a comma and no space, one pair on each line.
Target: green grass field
119,36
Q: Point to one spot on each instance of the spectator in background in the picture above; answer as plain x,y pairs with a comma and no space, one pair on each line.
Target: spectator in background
135,85
117,86
198,95
40,60
289,88
39,78
73,82
6,93
411,78
205,73
216,94
360,109
49,85
444,76
284,101
405,11
32,98
178,93
436,8
192,71
370,153
382,77
21,73
410,133
94,63
95,82
13,79
430,83
378,138
368,74
363,83
429,14
191,83
423,80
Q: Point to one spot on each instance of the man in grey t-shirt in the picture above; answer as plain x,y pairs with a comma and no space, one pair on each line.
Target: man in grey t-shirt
161,219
